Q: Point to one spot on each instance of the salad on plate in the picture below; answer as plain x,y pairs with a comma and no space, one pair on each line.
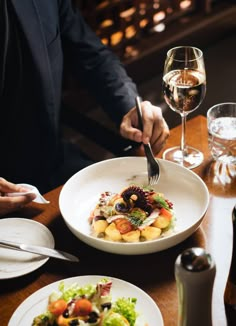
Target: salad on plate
91,304
135,214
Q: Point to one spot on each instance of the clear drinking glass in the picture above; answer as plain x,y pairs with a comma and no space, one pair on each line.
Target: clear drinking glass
221,123
184,88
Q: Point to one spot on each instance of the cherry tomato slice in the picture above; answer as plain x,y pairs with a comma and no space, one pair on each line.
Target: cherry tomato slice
166,213
57,307
123,225
82,307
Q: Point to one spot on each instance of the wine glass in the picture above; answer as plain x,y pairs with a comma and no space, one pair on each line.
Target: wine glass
184,87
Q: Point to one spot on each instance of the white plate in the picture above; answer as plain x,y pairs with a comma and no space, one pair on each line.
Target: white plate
37,303
16,263
184,188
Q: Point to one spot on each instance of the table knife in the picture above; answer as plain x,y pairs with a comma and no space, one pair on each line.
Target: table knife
43,251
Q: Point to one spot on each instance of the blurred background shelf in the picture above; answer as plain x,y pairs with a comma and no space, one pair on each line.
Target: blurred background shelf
141,42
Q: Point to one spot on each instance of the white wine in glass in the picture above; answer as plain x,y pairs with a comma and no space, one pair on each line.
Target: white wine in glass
184,88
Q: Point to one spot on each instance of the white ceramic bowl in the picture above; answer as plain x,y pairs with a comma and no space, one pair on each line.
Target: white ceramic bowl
181,186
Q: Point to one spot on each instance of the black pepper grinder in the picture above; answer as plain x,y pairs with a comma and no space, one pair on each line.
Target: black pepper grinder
230,290
195,274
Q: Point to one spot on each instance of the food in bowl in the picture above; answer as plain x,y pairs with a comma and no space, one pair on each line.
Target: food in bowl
184,188
135,214
91,304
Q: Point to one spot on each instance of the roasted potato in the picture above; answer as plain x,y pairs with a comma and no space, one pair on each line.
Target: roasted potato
132,236
151,233
112,233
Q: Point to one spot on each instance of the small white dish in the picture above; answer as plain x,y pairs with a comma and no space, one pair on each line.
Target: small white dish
16,263
32,190
184,188
36,304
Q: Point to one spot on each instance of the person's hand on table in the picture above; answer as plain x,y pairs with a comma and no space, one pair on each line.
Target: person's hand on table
155,128
10,204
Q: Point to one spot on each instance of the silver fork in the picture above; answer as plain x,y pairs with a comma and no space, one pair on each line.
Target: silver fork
152,164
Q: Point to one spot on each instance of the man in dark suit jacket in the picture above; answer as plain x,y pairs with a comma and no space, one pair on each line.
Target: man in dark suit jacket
36,38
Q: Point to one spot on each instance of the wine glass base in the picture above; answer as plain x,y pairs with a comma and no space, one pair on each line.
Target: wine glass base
190,159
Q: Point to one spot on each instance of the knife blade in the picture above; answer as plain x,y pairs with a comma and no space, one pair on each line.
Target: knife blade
43,251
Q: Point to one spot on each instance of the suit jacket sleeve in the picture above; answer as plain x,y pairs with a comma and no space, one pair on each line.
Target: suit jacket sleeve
97,68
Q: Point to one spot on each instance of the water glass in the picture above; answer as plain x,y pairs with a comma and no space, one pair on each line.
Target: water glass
221,123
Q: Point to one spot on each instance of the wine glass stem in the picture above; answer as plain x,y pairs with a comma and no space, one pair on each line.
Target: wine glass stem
182,144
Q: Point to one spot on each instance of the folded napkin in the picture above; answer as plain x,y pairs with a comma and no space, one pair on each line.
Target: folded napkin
32,190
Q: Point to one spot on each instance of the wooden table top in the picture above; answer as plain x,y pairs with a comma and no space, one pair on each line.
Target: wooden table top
154,273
